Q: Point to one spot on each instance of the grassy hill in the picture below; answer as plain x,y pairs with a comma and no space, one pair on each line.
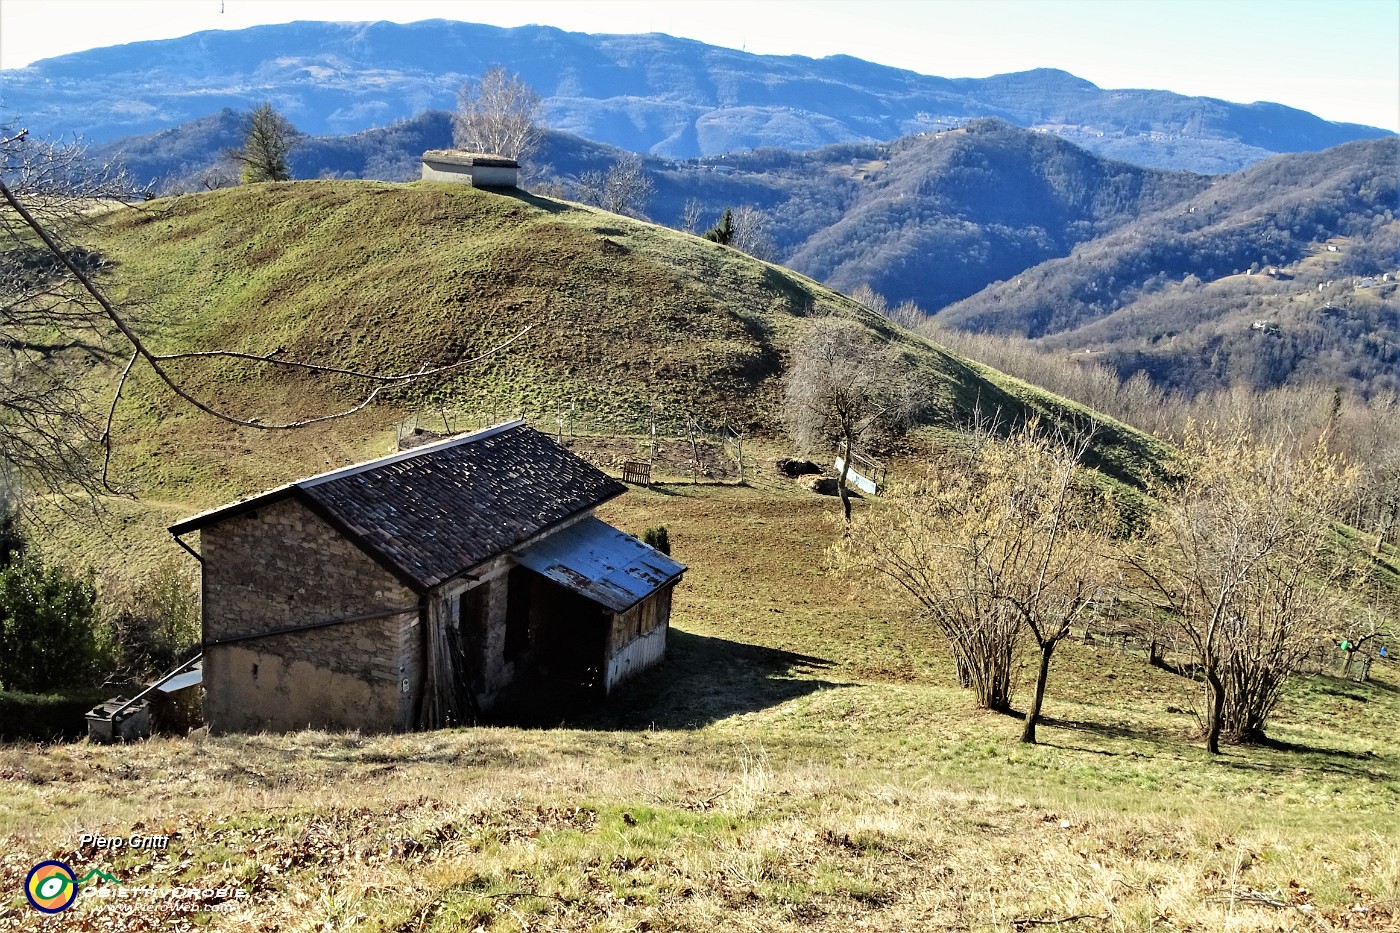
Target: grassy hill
1000,229
804,761
626,321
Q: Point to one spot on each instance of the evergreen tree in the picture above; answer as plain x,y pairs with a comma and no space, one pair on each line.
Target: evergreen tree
723,231
265,148
46,627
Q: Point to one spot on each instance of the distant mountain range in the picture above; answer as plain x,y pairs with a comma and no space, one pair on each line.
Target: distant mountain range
655,94
1286,272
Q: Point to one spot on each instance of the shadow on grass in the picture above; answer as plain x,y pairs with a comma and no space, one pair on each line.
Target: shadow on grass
545,204
1106,730
1290,758
703,680
1298,748
1345,687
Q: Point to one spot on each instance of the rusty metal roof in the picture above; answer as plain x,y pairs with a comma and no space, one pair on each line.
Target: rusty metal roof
432,513
602,564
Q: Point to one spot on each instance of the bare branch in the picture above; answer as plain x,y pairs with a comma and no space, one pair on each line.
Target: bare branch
155,360
106,438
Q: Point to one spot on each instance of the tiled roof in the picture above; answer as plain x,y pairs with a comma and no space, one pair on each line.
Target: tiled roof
433,512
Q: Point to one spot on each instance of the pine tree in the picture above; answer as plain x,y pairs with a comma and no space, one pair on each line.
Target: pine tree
264,152
723,231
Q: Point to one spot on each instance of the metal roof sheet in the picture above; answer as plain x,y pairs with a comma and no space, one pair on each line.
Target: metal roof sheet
602,564
189,678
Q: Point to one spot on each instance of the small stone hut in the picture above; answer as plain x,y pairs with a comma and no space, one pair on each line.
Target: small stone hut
423,589
479,169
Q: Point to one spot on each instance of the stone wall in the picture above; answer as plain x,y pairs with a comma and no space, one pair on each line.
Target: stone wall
282,566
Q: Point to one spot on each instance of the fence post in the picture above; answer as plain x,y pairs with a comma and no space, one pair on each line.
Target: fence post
691,427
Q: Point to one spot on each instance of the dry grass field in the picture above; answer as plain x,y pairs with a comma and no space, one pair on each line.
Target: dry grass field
803,761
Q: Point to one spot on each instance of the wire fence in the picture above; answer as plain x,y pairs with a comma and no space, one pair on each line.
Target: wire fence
1325,658
682,448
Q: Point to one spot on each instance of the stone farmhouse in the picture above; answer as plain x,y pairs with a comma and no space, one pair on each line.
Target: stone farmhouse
424,589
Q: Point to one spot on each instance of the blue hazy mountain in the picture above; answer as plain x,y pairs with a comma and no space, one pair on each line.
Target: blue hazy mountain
647,93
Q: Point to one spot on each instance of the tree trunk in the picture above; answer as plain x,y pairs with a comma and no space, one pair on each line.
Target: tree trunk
1041,675
1215,719
1383,529
841,481
964,673
1155,651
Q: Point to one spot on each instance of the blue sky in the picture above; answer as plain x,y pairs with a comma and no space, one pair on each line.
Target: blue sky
1337,58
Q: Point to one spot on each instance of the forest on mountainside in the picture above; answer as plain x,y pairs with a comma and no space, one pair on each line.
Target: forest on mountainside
998,229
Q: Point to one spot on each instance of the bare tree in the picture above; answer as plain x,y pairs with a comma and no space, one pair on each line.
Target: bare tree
498,114
865,295
1010,536
908,542
691,214
625,188
46,430
844,386
751,232
1243,563
1056,533
907,314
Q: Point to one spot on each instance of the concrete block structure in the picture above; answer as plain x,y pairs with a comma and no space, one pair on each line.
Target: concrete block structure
423,589
478,169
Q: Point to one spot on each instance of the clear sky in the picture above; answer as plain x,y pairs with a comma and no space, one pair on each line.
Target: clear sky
1339,59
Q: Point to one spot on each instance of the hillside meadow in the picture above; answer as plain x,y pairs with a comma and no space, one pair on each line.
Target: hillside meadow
612,323
804,761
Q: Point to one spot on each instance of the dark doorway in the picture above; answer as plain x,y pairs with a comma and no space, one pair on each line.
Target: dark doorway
569,635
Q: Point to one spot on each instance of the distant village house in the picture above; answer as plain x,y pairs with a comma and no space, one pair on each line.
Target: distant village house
423,589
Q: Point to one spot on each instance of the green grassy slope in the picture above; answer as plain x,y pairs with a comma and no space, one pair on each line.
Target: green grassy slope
625,317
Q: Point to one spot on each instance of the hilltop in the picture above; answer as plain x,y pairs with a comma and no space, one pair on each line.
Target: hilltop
998,229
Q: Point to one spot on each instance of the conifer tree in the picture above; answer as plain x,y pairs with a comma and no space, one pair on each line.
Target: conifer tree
265,148
723,231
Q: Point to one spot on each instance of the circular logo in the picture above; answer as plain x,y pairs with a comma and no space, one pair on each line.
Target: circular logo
51,887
